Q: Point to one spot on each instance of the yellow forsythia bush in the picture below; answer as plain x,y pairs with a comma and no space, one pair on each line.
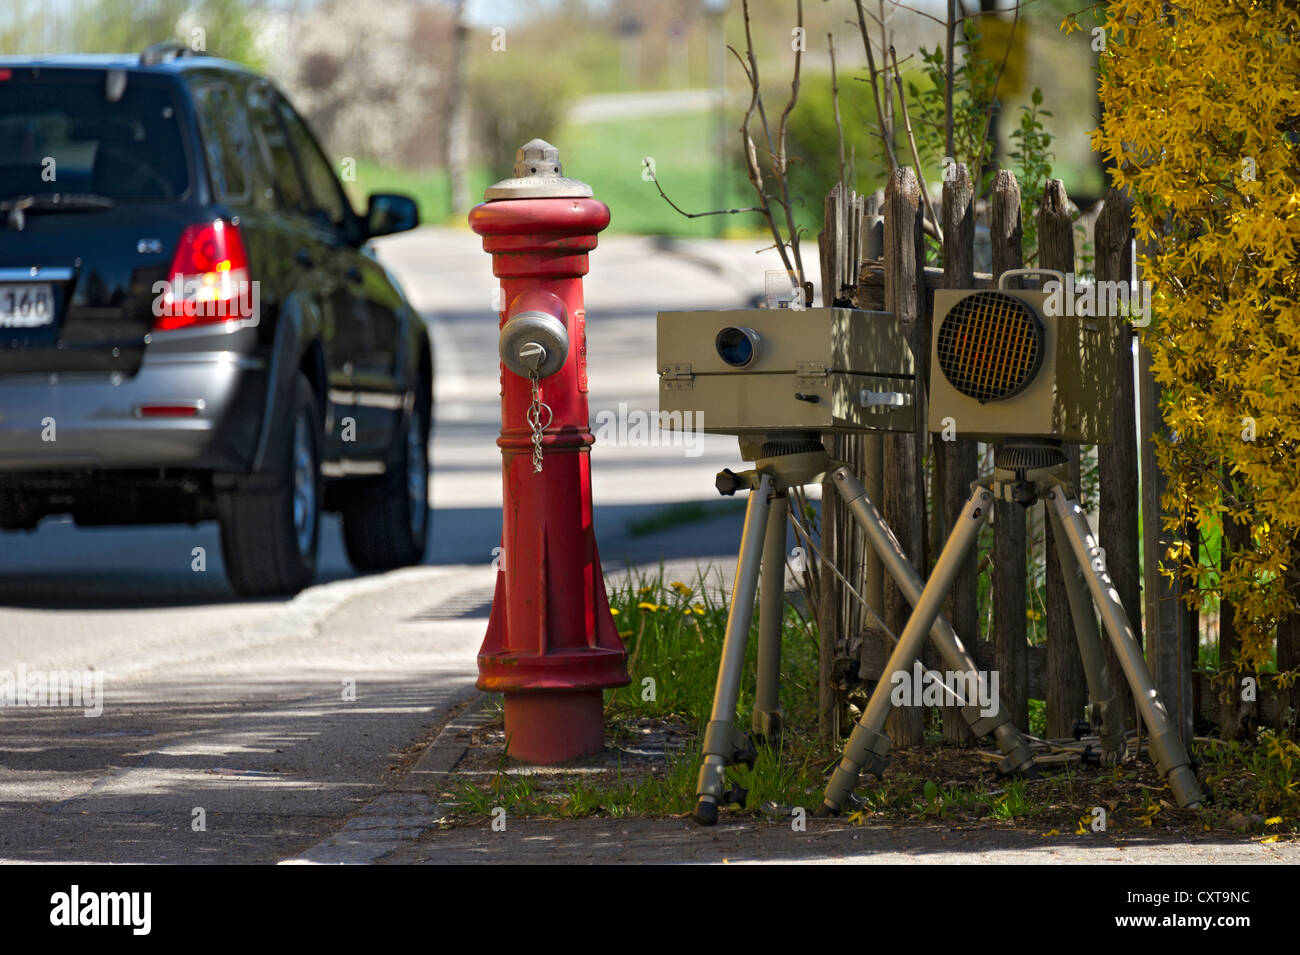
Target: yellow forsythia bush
1201,114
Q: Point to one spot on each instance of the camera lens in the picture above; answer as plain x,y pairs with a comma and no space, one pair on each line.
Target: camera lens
738,347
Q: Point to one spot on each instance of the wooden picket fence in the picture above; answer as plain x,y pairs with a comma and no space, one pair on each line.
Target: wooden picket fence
873,257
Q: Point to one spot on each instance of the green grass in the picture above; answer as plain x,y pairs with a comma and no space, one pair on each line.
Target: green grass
430,188
678,515
1038,718
608,155
673,631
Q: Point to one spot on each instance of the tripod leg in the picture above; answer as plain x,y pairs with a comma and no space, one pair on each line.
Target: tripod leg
771,600
1105,715
955,656
720,736
868,745
1166,746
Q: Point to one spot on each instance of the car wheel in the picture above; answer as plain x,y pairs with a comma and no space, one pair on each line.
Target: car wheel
386,524
269,536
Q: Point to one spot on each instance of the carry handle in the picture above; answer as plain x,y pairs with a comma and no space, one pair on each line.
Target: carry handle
1060,276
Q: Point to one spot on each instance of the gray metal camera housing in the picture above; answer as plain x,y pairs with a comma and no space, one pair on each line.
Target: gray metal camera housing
821,370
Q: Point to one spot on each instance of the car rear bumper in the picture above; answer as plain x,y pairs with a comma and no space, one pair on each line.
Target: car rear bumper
76,421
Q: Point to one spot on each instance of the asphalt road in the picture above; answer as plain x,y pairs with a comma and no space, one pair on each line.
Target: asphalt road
247,731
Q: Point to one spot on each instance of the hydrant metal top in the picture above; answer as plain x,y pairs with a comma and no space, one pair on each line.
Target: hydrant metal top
538,175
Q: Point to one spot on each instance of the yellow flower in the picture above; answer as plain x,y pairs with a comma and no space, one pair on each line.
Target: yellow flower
614,611
653,608
681,588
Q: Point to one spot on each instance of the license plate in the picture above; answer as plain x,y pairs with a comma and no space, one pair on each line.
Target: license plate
28,305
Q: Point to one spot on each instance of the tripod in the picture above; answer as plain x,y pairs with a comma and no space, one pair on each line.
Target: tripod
785,463
1025,473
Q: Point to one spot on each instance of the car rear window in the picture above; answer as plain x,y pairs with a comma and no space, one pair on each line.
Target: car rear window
62,131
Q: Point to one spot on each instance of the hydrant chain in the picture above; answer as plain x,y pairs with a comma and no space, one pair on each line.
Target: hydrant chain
535,421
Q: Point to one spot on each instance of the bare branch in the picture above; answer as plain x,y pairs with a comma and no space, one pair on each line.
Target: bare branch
993,98
890,158
933,224
950,120
781,166
695,215
981,13
835,101
752,169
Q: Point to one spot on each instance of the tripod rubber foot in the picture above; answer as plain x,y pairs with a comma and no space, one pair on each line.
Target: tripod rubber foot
706,813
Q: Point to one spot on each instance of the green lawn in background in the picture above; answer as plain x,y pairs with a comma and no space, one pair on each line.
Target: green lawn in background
608,155
429,188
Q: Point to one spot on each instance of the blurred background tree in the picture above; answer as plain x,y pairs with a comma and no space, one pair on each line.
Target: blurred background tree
610,81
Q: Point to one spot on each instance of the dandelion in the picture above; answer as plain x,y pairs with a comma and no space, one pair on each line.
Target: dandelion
643,605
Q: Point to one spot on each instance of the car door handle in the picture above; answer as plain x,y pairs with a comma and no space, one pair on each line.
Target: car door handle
304,258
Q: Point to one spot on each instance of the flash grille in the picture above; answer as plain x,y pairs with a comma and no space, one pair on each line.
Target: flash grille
989,346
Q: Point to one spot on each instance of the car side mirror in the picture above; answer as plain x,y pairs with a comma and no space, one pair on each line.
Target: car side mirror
387,213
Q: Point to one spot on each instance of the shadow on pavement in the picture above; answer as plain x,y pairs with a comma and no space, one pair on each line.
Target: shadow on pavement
63,567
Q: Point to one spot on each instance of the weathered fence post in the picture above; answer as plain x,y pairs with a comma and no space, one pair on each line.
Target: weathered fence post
1170,646
1010,566
851,233
904,255
1233,711
1117,461
1066,687
955,464
832,637
1288,658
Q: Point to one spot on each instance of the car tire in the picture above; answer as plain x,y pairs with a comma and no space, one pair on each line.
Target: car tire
386,522
270,534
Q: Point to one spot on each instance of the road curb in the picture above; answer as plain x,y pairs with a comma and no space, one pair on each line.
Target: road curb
407,807
447,748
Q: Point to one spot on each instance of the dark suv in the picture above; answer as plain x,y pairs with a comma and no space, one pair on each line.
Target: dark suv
192,325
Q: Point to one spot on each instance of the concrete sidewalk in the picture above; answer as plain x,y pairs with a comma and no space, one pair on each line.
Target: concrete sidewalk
668,841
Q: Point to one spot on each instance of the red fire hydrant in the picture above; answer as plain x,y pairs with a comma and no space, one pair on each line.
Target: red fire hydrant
551,643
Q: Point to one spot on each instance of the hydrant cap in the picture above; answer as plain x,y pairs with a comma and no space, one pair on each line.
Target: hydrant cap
538,175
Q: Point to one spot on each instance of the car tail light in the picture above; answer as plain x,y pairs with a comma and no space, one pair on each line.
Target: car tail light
209,279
